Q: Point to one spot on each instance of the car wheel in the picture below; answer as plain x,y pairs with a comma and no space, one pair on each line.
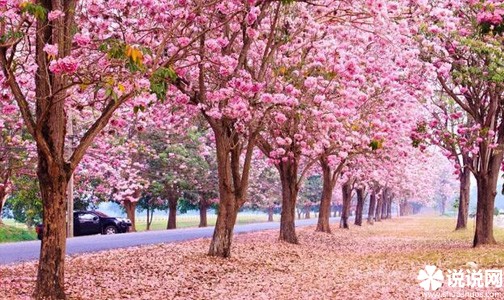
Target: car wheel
110,230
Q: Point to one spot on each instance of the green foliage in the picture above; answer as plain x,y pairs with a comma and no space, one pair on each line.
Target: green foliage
117,49
151,202
36,10
456,204
496,211
13,234
288,2
376,144
25,204
158,81
312,189
185,204
11,35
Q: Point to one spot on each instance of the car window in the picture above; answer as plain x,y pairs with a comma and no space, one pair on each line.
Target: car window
87,217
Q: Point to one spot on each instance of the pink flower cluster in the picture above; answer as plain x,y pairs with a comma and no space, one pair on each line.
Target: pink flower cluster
51,50
65,65
492,17
55,14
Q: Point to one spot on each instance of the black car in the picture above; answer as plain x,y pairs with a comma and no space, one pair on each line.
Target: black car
94,222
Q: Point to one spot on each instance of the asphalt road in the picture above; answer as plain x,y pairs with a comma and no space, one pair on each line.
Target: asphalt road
26,251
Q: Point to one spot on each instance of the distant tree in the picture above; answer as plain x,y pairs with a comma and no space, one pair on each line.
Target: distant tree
25,203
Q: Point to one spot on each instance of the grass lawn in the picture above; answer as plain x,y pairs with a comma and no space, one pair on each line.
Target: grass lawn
10,232
184,221
381,261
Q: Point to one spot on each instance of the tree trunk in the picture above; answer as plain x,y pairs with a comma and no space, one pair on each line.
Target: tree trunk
232,191
307,211
378,209
172,212
325,201
130,213
347,199
270,213
360,207
442,206
223,233
389,207
288,178
384,204
3,198
464,195
485,210
371,210
203,206
50,277
148,219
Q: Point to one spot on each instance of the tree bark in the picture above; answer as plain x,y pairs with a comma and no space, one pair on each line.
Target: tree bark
360,207
384,204
288,178
389,207
233,186
347,199
402,208
464,195
371,210
3,198
50,276
148,219
485,210
203,206
223,233
378,209
172,212
130,207
307,211
325,201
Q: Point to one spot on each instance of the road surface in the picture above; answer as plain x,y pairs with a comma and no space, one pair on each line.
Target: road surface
25,251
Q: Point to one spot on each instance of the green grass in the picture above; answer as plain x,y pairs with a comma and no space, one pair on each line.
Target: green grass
184,221
9,233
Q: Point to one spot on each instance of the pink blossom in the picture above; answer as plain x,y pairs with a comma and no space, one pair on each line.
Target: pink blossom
51,50
66,65
252,33
280,118
55,14
8,109
252,15
81,39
